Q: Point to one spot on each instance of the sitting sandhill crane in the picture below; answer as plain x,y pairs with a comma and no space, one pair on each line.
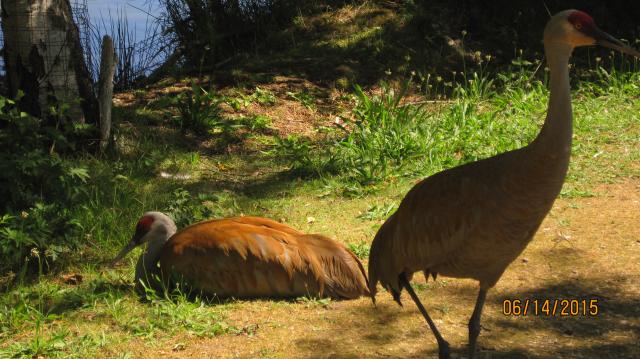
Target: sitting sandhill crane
472,221
244,257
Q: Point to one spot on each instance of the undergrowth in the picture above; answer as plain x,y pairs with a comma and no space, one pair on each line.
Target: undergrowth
37,188
389,136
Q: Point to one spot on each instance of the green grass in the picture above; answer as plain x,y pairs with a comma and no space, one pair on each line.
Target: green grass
305,98
378,212
57,320
391,144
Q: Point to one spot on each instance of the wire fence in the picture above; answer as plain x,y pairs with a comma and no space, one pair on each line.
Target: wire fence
136,57
80,13
47,30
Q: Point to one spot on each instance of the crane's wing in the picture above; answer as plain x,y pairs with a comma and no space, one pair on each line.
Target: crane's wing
344,275
244,257
434,222
264,222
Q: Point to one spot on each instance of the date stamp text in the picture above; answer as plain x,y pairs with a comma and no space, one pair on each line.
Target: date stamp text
556,307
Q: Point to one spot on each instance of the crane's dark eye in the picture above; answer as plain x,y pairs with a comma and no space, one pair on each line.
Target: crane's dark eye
581,21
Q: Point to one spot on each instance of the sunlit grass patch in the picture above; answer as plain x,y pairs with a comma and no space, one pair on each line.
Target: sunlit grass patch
57,320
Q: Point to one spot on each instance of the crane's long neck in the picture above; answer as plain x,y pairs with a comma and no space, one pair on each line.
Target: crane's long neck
147,265
555,137
541,172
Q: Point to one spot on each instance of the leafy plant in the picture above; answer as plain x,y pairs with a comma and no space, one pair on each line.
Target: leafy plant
256,122
375,212
310,301
305,98
30,169
386,134
40,345
479,87
36,238
199,111
298,151
239,101
186,209
360,249
36,186
264,97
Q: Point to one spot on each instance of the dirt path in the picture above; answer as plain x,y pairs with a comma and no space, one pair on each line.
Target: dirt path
587,248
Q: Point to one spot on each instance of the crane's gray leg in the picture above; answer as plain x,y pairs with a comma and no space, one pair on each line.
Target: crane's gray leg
474,323
443,346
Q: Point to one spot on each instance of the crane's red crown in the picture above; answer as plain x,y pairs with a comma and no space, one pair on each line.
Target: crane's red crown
581,20
144,224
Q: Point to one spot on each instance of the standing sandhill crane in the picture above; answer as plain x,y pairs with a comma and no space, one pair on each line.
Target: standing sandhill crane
244,257
472,221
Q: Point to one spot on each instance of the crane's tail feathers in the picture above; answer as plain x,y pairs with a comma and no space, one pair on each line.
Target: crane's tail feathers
372,290
344,275
428,273
403,282
396,296
402,278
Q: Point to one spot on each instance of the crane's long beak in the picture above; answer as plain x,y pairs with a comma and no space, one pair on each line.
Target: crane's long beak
128,248
606,40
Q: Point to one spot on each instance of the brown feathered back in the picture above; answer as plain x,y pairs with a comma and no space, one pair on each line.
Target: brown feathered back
247,257
470,221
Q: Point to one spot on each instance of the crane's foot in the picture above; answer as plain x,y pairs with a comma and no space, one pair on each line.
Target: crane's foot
474,323
474,332
443,350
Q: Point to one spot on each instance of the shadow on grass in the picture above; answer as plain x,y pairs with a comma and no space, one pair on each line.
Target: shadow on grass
613,333
64,299
85,296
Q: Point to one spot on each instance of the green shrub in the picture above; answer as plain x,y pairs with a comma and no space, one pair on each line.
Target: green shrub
30,169
256,123
264,97
298,152
385,135
199,111
36,185
360,249
36,238
186,209
305,98
239,101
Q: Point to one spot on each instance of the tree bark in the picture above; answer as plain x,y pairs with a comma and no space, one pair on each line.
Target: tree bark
44,59
105,89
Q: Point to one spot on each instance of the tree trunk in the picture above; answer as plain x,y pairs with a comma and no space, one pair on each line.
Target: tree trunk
44,59
105,89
